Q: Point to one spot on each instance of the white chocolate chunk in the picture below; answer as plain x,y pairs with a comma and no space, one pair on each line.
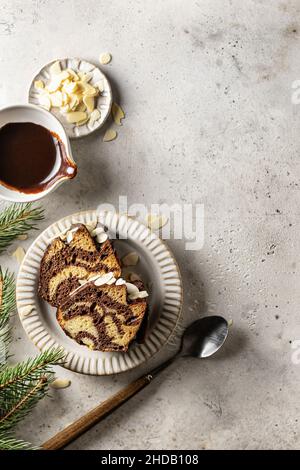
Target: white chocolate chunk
131,259
105,58
110,135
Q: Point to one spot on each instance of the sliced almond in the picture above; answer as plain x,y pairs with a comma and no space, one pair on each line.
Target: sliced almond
85,77
39,85
105,58
23,236
26,311
100,86
95,115
70,87
81,107
97,231
131,259
89,90
110,135
131,288
103,279
91,226
89,101
102,237
117,113
19,254
65,109
73,74
76,116
56,99
55,68
73,102
120,281
45,102
156,222
54,85
60,383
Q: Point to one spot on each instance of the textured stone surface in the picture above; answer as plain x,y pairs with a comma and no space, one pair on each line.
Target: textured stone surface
206,87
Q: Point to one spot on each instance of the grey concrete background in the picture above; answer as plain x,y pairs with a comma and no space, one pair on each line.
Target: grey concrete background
206,86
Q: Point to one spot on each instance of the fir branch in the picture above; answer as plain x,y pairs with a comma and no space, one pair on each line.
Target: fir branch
9,442
7,306
23,385
17,219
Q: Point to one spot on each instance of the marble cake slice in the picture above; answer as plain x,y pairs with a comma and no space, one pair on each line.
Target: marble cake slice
65,263
102,317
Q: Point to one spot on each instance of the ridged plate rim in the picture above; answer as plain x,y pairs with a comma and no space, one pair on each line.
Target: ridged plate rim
102,363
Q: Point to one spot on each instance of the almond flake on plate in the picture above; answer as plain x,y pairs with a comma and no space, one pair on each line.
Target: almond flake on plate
60,383
102,237
131,259
26,311
19,254
117,114
110,135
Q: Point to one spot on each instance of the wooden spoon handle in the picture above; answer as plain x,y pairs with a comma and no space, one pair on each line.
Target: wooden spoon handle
74,430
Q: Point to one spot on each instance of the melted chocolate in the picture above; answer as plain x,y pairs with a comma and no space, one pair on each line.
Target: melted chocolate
28,154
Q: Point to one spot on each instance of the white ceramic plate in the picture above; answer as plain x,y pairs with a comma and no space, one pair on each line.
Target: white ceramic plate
103,101
158,269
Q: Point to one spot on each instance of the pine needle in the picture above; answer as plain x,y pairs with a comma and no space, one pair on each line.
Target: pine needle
9,442
16,220
23,385
7,306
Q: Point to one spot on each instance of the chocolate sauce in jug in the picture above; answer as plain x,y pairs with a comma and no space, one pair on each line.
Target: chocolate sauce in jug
29,154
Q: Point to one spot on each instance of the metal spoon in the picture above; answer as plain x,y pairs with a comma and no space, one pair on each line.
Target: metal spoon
201,339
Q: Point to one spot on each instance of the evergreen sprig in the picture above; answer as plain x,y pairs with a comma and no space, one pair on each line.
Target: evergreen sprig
7,306
16,220
21,385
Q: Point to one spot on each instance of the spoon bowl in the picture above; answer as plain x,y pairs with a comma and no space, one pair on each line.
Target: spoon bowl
204,337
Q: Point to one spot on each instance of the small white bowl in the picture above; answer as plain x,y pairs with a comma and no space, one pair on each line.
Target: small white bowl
31,113
103,102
